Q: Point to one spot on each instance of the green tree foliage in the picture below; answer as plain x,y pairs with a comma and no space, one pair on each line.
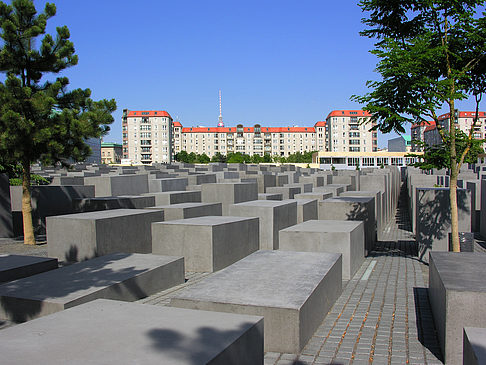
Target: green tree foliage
40,119
218,157
430,54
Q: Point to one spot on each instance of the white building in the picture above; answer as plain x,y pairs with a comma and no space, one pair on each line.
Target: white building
147,136
349,131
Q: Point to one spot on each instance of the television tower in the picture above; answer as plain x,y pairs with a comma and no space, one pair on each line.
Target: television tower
220,119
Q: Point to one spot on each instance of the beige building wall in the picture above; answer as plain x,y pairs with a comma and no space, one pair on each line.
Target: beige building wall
349,131
147,136
259,140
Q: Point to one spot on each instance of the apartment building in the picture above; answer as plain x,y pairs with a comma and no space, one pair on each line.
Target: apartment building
259,140
349,131
427,131
147,136
111,152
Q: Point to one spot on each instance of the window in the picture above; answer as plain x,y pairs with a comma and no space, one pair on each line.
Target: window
353,161
354,149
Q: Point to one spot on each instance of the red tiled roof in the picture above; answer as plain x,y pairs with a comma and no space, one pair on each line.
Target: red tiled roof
320,124
177,124
430,128
148,113
347,113
462,115
424,123
249,130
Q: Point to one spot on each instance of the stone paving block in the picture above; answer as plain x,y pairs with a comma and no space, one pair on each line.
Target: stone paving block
207,243
115,332
76,237
457,293
117,276
13,267
273,216
293,302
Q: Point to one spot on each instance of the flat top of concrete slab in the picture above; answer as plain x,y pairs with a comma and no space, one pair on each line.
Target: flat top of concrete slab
324,226
70,282
461,271
184,205
301,201
111,213
264,203
114,332
170,192
349,199
210,220
8,262
280,279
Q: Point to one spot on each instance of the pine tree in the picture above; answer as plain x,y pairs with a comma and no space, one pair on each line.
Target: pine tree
40,119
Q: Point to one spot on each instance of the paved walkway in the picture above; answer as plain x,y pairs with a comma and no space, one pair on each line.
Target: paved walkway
382,317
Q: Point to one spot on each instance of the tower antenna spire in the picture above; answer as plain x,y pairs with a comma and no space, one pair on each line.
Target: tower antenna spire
220,119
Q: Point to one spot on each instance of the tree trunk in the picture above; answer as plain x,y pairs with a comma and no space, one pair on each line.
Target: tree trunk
454,212
29,238
453,181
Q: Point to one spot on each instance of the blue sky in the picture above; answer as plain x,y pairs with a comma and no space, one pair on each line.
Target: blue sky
278,63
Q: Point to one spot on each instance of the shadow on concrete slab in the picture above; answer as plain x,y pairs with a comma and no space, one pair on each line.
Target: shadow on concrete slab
427,334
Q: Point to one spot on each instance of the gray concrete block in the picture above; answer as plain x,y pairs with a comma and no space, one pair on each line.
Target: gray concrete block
112,202
47,200
262,284
378,207
307,209
13,267
474,346
189,210
352,209
119,184
434,218
67,180
117,276
344,237
475,187
287,191
334,189
229,193
6,222
270,196
314,195
76,237
201,179
145,334
176,197
273,216
170,184
457,294
207,243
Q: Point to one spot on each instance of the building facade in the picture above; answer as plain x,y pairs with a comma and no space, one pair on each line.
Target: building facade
353,160
259,140
147,136
428,133
111,152
349,131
